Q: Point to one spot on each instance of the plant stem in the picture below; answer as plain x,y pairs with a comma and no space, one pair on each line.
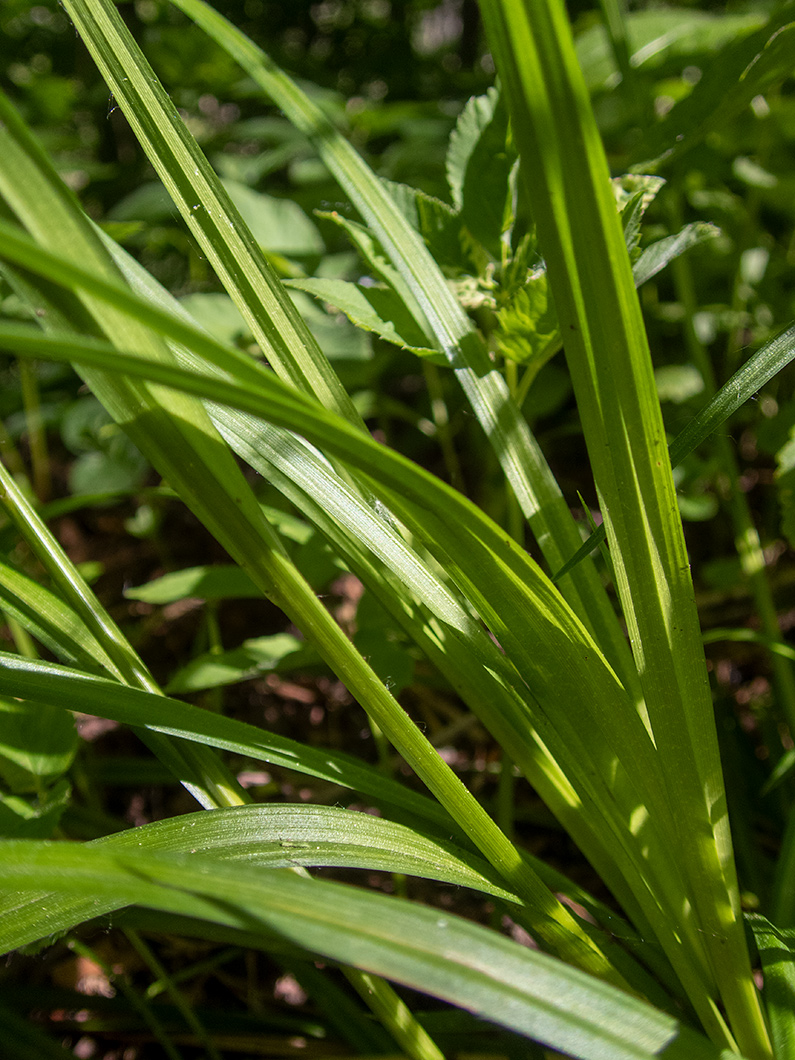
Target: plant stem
746,536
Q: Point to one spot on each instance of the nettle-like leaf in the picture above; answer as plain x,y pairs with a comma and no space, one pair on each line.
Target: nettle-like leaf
280,226
528,326
479,164
437,222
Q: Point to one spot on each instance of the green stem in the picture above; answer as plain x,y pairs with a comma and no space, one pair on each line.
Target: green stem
181,1002
37,437
441,419
199,768
746,536
137,1002
394,1014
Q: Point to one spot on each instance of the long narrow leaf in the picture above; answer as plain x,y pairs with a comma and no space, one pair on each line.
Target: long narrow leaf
567,181
759,369
476,542
441,316
445,956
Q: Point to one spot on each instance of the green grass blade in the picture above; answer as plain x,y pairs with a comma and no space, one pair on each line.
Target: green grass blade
548,777
68,689
776,948
175,433
169,429
567,181
522,461
472,668
283,836
582,681
51,621
269,837
758,370
206,207
445,956
395,1015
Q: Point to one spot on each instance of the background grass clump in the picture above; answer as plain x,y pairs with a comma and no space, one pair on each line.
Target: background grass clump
397,522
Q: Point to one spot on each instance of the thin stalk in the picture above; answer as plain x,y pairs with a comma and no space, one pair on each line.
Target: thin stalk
783,906
180,1001
198,768
138,1002
23,641
746,536
553,921
394,1014
9,454
614,13
37,436
441,420
506,788
214,698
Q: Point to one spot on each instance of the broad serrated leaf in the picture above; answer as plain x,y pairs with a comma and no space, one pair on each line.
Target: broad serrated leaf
280,226
473,119
528,325
479,164
438,224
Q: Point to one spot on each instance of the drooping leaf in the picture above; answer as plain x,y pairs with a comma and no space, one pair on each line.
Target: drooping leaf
52,622
657,255
34,817
442,955
220,582
255,657
40,740
71,690
374,308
